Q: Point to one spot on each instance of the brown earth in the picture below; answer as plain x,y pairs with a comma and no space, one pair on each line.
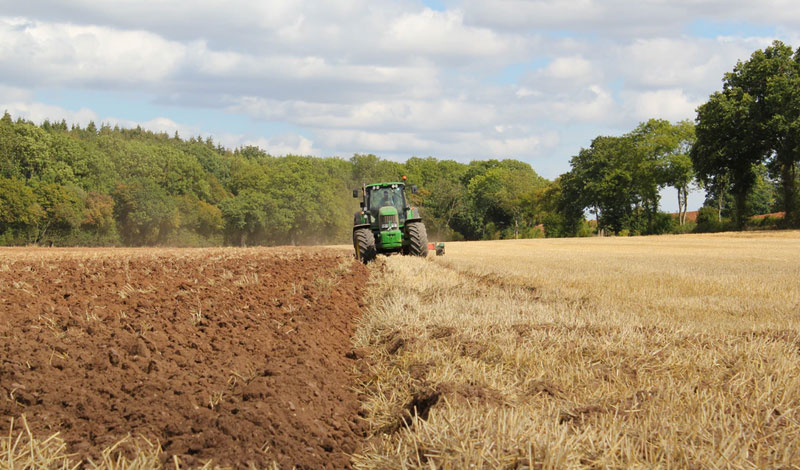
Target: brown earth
235,355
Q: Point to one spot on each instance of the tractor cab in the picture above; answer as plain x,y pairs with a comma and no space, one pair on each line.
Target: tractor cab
386,205
380,198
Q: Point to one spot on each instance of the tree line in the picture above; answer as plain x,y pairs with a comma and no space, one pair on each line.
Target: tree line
743,149
67,185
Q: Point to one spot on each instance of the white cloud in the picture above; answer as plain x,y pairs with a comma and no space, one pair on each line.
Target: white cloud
593,103
670,104
157,124
388,76
417,115
522,13
574,68
562,74
462,146
623,18
695,63
12,94
52,53
513,147
20,105
444,34
523,92
286,144
38,53
381,142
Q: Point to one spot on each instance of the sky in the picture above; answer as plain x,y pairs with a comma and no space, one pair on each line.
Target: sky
534,80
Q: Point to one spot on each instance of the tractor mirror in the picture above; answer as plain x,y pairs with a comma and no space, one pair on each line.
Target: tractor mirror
355,193
413,189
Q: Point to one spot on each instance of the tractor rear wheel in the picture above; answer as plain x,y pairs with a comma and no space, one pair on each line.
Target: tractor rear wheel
364,244
417,239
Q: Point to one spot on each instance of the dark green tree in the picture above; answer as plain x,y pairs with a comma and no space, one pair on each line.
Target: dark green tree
98,216
665,159
20,212
755,119
782,102
603,180
246,216
729,146
145,213
62,207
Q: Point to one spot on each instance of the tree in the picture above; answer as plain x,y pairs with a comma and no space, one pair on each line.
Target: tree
146,214
180,173
200,217
763,197
757,120
8,166
19,209
557,207
602,180
62,206
112,185
311,203
442,197
501,195
245,215
729,145
665,147
30,150
371,169
783,109
443,203
98,213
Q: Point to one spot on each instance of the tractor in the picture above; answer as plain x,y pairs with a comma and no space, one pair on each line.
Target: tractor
386,223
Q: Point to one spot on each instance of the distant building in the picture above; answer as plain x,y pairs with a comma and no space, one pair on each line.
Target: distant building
691,216
774,215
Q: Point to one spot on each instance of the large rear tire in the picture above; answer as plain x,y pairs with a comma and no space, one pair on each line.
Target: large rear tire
417,239
364,244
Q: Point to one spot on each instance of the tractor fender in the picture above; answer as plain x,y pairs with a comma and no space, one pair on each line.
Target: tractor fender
356,227
415,219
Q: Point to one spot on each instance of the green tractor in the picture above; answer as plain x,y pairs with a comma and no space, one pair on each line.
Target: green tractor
387,223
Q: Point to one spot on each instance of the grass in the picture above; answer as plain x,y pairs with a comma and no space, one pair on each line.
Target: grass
645,352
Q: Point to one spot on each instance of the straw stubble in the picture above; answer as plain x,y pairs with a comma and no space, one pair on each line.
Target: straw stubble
665,352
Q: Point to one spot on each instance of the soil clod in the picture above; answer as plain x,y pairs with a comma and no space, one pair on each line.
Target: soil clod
164,344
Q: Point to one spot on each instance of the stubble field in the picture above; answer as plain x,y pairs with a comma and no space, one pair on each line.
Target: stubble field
646,352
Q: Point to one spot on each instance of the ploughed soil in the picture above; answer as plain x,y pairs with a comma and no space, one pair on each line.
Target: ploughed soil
237,355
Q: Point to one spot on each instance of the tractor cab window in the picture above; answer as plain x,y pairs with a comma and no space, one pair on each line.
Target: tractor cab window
387,196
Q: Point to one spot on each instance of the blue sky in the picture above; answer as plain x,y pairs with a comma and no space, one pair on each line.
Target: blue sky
456,79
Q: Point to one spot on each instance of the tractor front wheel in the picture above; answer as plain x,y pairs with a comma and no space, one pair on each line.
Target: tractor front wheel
364,244
417,239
